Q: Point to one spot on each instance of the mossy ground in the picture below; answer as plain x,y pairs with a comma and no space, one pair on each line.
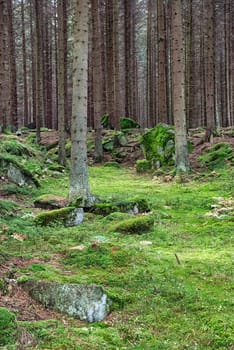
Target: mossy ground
172,287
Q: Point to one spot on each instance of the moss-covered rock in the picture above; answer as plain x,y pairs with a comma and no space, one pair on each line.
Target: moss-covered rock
16,171
50,201
69,216
7,327
132,206
137,225
128,123
217,156
158,145
143,166
86,302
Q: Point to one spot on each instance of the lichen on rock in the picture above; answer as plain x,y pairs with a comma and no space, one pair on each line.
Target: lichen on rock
86,302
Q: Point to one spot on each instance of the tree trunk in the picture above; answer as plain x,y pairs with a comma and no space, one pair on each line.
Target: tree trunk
12,69
26,115
2,68
61,80
178,89
98,79
79,185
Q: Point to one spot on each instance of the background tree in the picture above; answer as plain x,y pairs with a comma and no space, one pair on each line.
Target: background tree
62,78
178,88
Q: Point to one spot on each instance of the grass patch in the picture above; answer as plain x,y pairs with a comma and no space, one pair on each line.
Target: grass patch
160,301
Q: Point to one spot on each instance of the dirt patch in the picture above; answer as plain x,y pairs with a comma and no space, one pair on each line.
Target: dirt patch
14,298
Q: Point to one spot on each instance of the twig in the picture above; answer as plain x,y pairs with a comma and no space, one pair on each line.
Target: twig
177,259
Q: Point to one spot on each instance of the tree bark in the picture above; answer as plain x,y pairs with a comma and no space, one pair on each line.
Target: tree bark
178,89
79,184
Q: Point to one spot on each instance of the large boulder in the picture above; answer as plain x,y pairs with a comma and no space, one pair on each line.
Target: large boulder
86,302
159,146
69,216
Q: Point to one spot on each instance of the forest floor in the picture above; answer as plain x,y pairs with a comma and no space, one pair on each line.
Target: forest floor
172,287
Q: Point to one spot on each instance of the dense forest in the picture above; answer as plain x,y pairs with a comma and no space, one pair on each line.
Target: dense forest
116,174
130,71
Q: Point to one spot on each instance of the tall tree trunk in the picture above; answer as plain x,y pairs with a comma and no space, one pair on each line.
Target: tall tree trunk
33,64
209,67
2,68
162,88
98,79
178,89
79,184
26,115
61,79
12,68
39,70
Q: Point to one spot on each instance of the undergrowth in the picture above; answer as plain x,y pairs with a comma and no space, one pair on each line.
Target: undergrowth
171,287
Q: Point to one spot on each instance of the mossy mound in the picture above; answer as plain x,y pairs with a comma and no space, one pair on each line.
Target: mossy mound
53,216
112,165
131,206
7,327
102,255
8,208
11,145
128,123
217,156
16,171
159,146
136,225
143,166
117,216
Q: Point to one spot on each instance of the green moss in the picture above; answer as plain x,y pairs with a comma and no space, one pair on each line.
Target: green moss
128,123
158,145
105,121
53,216
117,216
139,225
6,159
133,205
217,156
143,166
7,327
112,165
8,208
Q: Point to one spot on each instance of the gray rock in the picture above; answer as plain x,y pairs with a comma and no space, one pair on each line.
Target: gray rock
76,217
16,176
86,302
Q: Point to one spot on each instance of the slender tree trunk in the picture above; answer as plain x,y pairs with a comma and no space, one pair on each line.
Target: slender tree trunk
39,71
26,115
98,79
79,185
209,67
12,68
61,80
2,68
178,89
162,88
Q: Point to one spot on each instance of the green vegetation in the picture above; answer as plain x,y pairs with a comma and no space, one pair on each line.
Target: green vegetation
139,225
217,156
128,123
171,285
158,145
7,327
